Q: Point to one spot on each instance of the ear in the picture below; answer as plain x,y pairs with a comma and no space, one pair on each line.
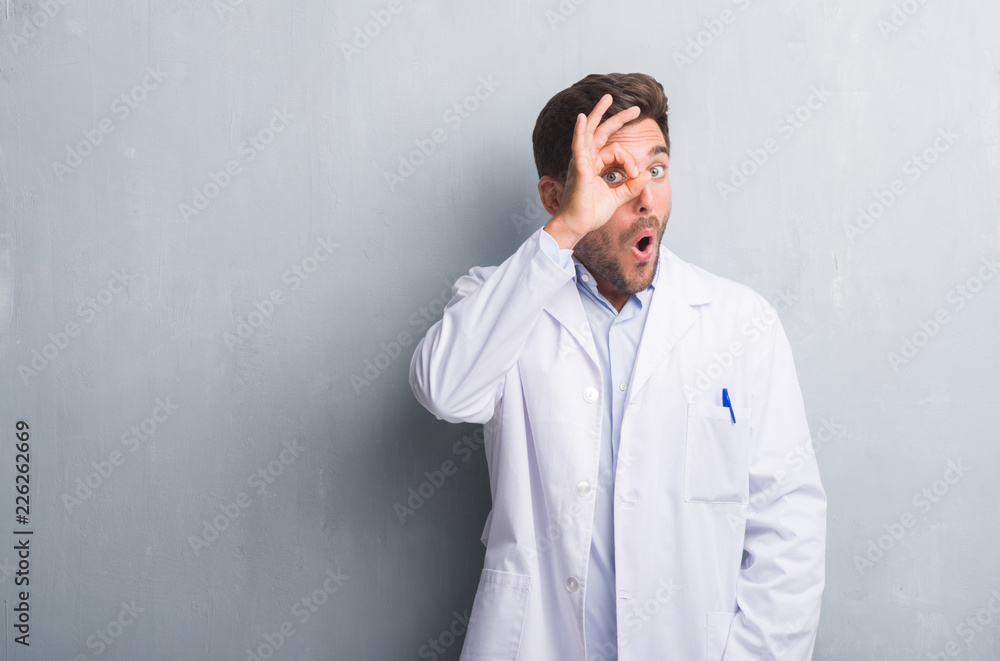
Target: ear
550,191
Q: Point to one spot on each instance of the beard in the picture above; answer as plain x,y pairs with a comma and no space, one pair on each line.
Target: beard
607,256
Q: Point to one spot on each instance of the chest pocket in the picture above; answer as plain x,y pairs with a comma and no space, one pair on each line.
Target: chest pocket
717,459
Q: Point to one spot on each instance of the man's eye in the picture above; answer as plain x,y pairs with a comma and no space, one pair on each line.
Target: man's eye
657,171
614,177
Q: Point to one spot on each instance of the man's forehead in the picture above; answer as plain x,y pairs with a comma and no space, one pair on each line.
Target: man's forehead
635,137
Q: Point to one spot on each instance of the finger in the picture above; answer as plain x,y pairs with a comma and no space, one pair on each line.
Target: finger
578,133
581,157
616,154
632,187
595,115
614,123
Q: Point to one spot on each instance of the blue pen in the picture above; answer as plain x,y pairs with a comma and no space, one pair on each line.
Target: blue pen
728,404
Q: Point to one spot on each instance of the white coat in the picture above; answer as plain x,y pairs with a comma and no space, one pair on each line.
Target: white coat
719,527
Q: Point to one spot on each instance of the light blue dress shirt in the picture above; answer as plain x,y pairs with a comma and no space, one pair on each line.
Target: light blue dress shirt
616,336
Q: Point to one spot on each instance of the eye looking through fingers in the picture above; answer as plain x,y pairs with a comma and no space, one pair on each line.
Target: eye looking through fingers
618,175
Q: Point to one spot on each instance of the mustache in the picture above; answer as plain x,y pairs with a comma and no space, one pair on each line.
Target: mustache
640,225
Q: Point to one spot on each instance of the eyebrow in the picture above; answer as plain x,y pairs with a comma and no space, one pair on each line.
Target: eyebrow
658,149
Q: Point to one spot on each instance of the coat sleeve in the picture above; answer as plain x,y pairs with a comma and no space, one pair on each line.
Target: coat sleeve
458,367
781,579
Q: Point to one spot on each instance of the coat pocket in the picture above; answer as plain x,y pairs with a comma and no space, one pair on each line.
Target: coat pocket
717,627
717,464
497,617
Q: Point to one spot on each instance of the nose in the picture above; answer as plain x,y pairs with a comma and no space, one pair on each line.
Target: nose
645,199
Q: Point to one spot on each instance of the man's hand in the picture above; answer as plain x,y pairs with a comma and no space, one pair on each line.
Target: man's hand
588,202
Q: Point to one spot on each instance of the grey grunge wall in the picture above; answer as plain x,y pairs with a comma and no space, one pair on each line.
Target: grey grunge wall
226,224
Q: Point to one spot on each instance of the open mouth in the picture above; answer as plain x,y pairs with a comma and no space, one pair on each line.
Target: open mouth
642,249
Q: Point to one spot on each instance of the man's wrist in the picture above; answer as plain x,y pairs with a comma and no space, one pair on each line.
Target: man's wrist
564,236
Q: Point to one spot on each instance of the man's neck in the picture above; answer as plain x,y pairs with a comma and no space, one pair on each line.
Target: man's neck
615,296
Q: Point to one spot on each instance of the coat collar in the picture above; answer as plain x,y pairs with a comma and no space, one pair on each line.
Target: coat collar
678,291
672,312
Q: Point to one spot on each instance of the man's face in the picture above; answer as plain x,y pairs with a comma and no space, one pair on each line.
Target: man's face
626,250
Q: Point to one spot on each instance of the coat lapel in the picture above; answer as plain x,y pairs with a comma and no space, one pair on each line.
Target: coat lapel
567,308
672,312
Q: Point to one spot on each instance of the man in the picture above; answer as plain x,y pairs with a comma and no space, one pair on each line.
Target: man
653,492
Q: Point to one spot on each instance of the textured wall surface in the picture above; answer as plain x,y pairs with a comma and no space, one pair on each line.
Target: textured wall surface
225,225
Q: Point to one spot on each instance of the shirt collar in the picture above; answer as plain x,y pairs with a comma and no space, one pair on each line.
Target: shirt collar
591,284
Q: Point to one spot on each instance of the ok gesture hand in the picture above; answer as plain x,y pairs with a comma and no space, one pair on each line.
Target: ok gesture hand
588,201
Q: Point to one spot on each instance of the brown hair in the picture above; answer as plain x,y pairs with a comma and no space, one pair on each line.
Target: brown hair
552,139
